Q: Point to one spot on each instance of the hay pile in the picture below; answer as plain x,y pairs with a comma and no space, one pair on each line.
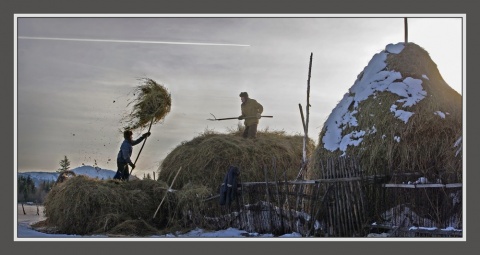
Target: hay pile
152,103
384,143
83,205
206,158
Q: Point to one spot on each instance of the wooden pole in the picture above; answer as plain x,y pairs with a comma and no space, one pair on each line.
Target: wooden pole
305,122
307,112
303,118
304,149
308,96
268,199
144,140
164,196
406,29
278,194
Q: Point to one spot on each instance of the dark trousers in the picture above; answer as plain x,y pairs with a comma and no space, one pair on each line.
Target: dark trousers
122,171
250,131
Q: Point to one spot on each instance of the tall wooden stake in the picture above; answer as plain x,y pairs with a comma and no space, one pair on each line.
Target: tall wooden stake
307,112
406,29
305,123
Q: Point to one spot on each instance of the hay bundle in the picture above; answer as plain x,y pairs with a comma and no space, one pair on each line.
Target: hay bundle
83,205
206,158
400,116
151,105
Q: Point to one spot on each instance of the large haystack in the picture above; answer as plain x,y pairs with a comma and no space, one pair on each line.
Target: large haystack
83,205
206,158
399,116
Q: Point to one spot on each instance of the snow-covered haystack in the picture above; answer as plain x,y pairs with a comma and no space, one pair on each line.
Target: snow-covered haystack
399,116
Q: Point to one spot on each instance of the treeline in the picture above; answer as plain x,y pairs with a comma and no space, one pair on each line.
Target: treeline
27,192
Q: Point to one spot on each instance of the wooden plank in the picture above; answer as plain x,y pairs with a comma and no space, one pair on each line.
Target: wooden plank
413,186
453,185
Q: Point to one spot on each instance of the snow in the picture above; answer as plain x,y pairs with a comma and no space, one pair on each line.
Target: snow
26,233
374,78
441,114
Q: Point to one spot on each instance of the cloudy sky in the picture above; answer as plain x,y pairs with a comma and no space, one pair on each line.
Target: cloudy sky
75,75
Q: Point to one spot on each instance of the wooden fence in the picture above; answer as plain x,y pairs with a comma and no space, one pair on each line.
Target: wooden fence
344,203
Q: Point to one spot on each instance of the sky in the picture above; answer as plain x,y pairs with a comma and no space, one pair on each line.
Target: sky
76,75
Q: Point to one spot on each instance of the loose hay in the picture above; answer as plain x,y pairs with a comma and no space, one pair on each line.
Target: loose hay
133,228
153,103
83,205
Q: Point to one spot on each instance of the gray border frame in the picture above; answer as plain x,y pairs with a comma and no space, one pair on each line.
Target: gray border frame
10,7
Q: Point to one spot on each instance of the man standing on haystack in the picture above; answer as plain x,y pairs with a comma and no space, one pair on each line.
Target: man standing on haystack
251,112
123,157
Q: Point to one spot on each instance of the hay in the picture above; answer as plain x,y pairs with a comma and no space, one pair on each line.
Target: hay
134,228
190,202
83,205
152,103
206,158
64,175
427,140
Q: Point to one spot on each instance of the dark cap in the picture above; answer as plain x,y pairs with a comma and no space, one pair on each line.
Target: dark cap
127,134
244,94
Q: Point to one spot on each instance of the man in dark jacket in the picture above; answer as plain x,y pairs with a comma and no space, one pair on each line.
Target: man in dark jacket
251,112
123,157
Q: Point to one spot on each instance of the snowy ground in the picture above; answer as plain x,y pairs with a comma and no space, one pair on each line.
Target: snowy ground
25,232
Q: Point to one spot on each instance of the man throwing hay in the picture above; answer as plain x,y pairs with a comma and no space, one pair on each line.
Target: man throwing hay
123,157
251,113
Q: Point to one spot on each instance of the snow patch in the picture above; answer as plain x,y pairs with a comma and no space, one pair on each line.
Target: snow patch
373,79
395,48
441,114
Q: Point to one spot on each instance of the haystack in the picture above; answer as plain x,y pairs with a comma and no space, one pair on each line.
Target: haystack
402,123
151,105
206,158
83,205
399,116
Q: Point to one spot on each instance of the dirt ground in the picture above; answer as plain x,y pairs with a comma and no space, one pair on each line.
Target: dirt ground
33,213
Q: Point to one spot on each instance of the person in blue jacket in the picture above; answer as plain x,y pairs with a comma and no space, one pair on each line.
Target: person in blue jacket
123,157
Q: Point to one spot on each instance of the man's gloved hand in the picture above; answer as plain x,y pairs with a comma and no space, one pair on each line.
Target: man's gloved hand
259,115
146,135
240,117
132,165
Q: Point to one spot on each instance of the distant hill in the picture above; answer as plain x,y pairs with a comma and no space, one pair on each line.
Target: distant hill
91,171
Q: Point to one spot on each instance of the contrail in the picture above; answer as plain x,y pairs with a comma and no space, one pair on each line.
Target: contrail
130,41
